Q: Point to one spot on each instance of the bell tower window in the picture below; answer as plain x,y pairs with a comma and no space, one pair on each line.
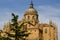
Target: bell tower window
45,30
33,17
28,17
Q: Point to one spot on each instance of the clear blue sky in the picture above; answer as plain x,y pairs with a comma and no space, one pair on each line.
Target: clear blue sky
47,9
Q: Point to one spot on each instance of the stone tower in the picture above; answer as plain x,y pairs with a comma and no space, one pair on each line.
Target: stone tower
31,15
50,32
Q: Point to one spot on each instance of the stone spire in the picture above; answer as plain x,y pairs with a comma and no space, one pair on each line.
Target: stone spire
50,22
9,22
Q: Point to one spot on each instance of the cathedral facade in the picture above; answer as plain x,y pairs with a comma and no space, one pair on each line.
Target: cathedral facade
39,31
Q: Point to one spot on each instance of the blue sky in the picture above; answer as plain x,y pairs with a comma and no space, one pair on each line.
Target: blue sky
47,9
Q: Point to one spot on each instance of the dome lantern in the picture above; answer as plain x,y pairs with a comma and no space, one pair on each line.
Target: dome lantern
31,14
31,10
31,5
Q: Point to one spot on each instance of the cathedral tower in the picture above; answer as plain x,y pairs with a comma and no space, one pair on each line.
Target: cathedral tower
31,14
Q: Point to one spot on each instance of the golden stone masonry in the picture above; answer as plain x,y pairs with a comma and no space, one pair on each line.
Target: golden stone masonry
38,32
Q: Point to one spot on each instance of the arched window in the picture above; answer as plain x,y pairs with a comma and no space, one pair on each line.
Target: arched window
28,17
45,30
32,17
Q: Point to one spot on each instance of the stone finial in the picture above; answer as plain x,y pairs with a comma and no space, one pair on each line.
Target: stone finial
31,4
50,22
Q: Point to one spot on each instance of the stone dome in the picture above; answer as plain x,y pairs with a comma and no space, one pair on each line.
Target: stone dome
31,10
